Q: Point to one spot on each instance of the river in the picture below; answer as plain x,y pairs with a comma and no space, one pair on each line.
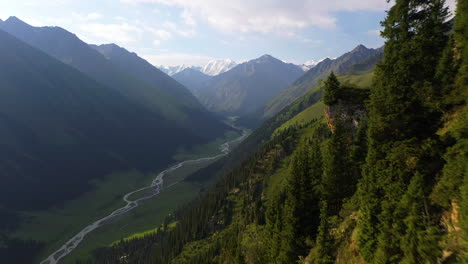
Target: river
156,186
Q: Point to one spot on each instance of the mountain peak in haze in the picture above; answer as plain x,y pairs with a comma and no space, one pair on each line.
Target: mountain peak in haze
266,58
212,68
216,67
308,65
360,48
248,85
14,19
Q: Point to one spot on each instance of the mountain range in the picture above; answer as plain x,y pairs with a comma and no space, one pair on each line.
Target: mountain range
311,78
121,70
212,68
71,112
247,86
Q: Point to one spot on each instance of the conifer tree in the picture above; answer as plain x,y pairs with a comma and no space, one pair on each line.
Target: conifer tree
337,180
332,87
399,121
420,240
324,245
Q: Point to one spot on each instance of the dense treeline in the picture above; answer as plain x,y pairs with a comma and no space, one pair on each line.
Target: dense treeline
387,185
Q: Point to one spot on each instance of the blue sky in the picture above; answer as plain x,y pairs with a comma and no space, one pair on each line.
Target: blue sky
173,32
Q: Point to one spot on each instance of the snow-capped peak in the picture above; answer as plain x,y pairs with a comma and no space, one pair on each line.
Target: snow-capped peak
212,68
311,64
171,70
216,67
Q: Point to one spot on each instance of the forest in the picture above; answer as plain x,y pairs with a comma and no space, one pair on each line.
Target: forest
381,178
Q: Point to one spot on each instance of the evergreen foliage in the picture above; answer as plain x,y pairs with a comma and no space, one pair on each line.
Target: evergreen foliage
332,87
397,177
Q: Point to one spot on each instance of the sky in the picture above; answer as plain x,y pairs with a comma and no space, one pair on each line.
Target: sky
193,32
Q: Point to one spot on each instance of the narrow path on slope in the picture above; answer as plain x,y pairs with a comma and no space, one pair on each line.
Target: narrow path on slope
156,187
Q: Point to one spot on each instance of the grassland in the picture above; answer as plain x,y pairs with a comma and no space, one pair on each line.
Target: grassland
362,81
312,112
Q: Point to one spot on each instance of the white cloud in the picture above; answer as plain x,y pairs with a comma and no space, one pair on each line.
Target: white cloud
266,16
86,17
374,32
188,18
156,42
47,3
162,34
172,27
118,33
173,59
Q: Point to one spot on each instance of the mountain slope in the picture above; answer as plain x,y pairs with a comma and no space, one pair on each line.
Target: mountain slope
160,97
197,118
310,79
192,79
60,128
247,86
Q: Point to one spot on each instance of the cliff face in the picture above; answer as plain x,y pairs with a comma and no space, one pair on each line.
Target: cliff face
351,114
351,108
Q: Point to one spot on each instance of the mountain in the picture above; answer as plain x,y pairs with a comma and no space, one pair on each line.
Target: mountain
212,68
171,70
60,128
247,86
125,72
306,66
216,67
192,79
310,79
196,118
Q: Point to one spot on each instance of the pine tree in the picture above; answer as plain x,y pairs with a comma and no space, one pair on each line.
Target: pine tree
299,213
420,240
337,179
324,245
332,87
399,121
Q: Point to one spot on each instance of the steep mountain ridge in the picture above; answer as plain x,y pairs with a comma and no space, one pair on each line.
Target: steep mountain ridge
198,120
245,87
194,80
154,90
310,79
61,128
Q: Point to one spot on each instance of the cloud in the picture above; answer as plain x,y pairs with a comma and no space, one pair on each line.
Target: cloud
188,18
156,42
266,16
176,29
173,59
119,33
374,32
161,34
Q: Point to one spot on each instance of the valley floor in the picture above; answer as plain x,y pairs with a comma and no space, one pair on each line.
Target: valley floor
55,226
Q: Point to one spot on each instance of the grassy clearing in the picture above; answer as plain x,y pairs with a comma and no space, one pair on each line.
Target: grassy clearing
362,81
314,111
145,217
144,233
